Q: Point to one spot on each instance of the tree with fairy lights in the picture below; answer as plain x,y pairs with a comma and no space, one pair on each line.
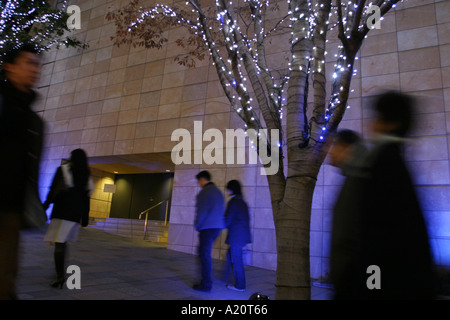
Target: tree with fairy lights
236,35
34,21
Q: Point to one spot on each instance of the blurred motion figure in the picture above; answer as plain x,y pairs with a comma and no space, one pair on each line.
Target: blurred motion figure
347,153
21,140
393,231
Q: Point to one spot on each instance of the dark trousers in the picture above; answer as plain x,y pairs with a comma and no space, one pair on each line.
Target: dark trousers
235,263
59,256
207,238
9,253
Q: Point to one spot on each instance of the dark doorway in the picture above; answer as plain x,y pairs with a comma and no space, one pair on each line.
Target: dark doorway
138,192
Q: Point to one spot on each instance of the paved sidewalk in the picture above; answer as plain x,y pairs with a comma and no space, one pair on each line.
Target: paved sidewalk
117,268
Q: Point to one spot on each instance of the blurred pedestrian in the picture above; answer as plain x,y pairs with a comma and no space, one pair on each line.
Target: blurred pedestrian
393,232
70,194
209,222
237,221
347,153
21,139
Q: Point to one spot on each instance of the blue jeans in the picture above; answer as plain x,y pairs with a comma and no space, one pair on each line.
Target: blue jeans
235,263
207,237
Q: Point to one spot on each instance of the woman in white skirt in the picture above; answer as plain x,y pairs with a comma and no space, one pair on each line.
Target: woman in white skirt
70,194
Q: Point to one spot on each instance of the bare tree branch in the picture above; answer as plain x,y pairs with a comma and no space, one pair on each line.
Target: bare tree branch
317,121
301,47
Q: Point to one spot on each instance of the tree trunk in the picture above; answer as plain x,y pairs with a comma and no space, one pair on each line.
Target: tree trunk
292,218
292,233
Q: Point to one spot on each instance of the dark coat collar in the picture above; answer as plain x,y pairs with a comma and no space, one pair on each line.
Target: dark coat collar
23,99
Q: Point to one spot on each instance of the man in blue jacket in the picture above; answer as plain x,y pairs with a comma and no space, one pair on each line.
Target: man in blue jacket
209,222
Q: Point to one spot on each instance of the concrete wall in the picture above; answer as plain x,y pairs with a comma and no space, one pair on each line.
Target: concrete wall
100,200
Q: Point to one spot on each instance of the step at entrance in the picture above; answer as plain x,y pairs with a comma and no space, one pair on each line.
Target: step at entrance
133,228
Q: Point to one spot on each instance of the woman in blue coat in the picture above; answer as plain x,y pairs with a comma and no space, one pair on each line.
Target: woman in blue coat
238,225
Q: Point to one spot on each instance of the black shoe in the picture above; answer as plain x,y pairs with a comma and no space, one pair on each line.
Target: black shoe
57,283
201,287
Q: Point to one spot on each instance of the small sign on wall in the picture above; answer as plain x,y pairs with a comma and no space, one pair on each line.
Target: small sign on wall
109,188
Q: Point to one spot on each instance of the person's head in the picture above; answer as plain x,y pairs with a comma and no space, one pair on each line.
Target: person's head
22,66
80,167
341,151
234,188
203,178
394,112
78,157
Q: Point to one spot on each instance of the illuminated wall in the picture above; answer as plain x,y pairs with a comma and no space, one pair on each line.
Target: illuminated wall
101,200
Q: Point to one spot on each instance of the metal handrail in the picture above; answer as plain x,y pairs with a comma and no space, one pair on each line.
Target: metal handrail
147,211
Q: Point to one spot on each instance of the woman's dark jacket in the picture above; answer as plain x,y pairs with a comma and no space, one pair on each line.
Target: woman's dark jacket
69,203
21,141
237,222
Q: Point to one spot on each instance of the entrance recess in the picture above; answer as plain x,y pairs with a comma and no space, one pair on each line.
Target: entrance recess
141,182
143,192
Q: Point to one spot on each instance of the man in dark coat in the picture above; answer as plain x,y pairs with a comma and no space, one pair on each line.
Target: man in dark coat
394,237
21,137
237,221
346,153
209,222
